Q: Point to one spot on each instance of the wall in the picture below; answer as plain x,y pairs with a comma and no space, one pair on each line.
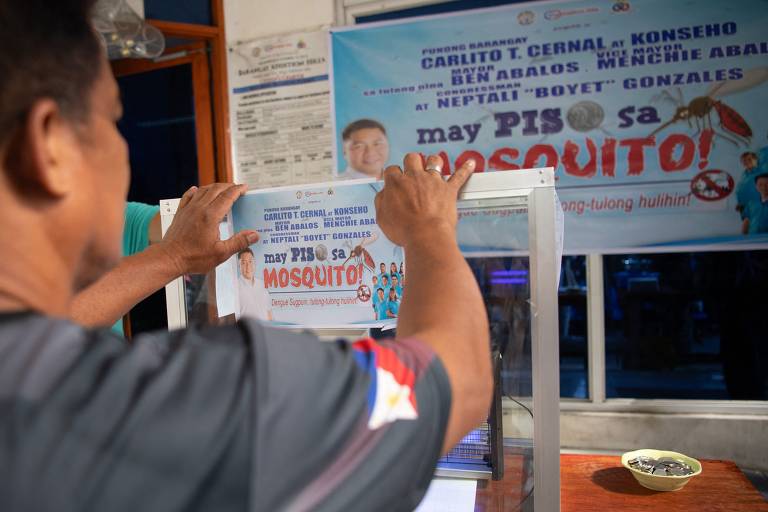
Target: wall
247,19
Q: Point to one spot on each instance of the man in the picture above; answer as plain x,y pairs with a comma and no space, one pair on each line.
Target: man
380,305
383,271
366,149
745,189
396,285
756,211
254,298
393,304
385,284
239,417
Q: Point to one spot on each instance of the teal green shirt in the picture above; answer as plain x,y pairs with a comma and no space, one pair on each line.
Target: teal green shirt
138,217
757,213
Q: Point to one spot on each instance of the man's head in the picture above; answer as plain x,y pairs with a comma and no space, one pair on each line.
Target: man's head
365,146
63,163
375,280
384,280
245,257
394,279
380,293
382,268
748,159
761,184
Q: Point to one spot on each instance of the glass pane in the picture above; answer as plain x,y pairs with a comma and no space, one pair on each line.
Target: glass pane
572,303
194,11
159,126
493,239
687,325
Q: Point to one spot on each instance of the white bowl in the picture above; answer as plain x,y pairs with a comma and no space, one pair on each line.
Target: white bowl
660,482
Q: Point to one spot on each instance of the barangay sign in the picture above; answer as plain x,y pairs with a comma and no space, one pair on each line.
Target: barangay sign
650,112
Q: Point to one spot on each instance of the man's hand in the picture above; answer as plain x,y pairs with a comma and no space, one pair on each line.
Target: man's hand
417,210
416,201
192,240
191,245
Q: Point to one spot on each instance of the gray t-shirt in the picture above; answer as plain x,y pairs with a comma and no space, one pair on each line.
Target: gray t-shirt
238,418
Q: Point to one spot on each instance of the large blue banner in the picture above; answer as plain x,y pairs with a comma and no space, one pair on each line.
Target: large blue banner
654,113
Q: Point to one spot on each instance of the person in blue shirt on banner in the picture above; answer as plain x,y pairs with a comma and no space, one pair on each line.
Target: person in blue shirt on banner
396,285
381,305
383,271
385,284
756,219
375,282
745,189
375,299
393,304
392,271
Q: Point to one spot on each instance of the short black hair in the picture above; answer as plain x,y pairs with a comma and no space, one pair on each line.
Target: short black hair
247,250
48,49
361,124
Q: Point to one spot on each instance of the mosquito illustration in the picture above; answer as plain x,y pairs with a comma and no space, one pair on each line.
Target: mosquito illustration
733,126
361,254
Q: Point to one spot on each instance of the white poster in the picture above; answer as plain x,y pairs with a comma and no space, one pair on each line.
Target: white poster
280,110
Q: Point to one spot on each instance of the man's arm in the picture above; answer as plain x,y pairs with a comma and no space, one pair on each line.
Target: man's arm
417,210
188,248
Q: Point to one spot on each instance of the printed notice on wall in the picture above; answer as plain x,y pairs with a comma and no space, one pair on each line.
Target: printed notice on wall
280,110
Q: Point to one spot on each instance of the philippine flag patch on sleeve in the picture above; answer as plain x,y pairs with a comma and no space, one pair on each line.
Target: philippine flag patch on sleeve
391,394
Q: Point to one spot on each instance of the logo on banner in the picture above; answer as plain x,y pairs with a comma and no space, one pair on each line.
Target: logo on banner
712,185
526,17
556,14
621,6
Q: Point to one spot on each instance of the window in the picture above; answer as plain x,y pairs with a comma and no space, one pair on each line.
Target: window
687,325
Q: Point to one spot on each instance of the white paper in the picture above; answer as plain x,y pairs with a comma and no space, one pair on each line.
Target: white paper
449,495
280,110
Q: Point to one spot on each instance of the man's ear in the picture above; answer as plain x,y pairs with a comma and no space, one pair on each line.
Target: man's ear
43,155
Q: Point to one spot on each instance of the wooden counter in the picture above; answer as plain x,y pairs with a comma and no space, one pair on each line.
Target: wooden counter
601,483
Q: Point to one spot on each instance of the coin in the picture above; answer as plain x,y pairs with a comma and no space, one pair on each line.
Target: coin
585,116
